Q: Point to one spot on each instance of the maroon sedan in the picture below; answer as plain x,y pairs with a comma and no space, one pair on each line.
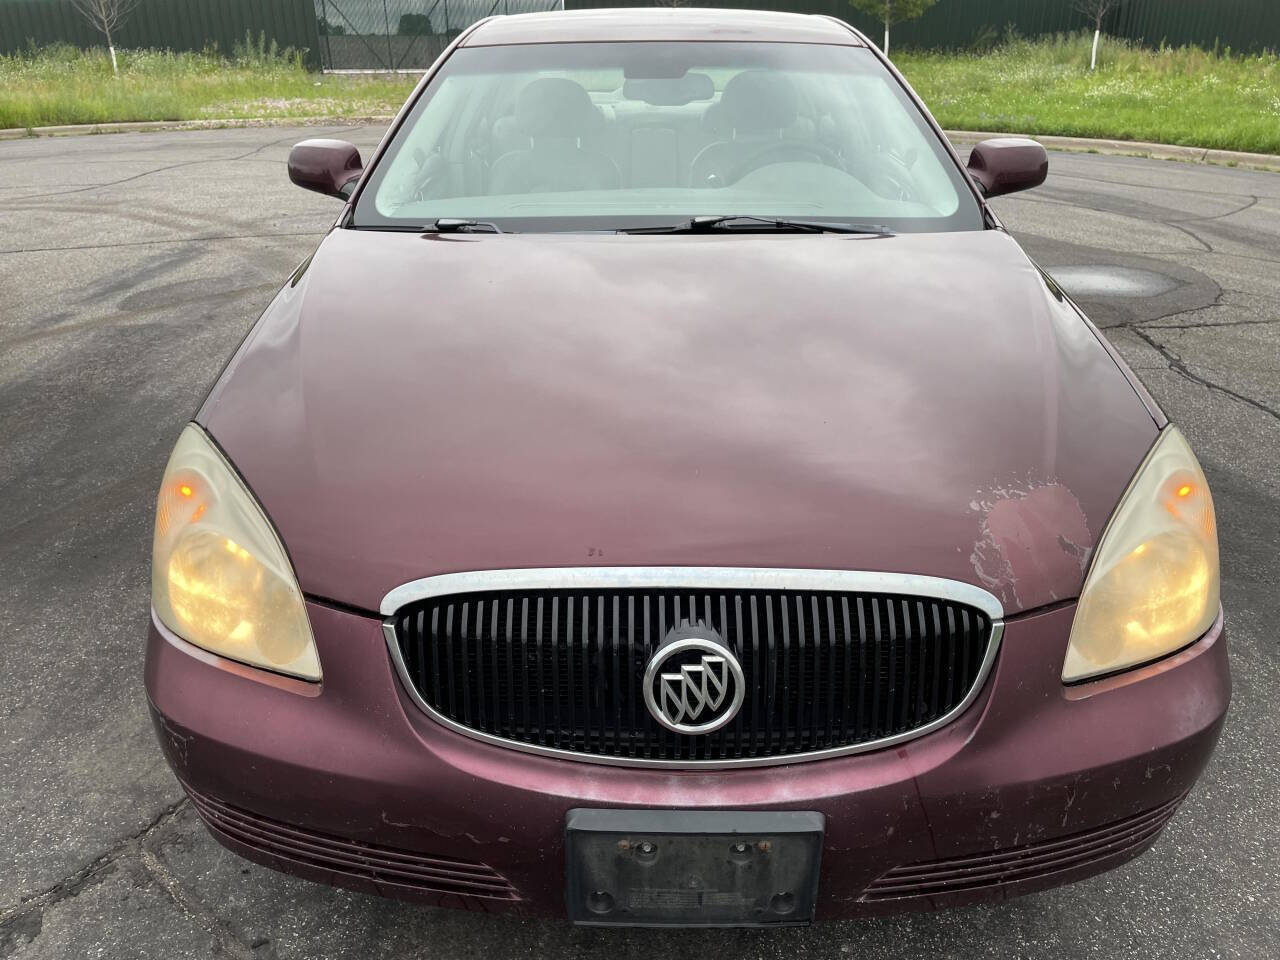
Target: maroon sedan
669,496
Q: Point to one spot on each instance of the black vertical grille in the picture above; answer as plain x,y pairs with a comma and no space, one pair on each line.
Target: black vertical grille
564,669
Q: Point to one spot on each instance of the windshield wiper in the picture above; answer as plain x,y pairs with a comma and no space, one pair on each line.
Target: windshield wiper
457,225
727,221
443,225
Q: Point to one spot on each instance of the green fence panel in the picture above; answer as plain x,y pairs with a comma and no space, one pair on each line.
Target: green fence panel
1242,25
42,22
952,24
166,24
402,34
376,34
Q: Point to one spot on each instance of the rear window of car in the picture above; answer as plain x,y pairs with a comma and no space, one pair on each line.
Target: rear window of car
607,136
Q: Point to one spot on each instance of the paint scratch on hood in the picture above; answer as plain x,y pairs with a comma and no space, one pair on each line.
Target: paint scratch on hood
1033,543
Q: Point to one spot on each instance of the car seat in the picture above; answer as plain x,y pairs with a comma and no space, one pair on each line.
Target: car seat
554,114
756,121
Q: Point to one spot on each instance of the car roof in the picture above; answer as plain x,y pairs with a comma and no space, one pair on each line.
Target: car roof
658,23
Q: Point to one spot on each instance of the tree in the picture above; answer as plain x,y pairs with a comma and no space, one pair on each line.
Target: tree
1096,11
890,12
105,16
414,25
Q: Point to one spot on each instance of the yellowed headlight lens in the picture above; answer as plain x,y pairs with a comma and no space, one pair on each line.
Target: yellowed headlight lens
1153,586
220,577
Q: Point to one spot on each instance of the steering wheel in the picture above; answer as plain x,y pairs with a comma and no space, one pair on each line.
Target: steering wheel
784,151
893,181
432,171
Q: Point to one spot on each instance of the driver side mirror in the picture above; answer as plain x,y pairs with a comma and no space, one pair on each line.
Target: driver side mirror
331,167
1007,165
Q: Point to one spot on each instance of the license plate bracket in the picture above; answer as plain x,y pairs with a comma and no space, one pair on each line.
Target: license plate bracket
692,868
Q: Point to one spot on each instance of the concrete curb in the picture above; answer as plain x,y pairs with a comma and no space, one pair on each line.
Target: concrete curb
144,126
961,138
1132,148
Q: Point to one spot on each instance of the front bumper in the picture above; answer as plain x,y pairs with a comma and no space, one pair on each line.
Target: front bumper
349,783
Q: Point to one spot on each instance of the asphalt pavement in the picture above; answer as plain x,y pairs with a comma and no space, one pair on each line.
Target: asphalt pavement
130,267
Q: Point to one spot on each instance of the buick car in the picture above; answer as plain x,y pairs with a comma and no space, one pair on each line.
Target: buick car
669,496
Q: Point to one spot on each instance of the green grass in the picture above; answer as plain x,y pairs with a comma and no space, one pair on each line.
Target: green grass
57,85
1184,96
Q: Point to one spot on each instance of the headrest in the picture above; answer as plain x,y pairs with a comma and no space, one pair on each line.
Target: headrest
754,101
555,107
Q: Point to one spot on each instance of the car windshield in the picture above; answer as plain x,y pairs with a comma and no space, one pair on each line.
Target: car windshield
614,136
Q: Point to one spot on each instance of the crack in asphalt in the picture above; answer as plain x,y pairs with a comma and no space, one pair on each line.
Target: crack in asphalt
1253,202
1179,366
1152,325
1177,225
170,166
1172,224
24,920
1174,361
23,923
131,316
223,935
1163,188
1199,253
115,183
152,243
1216,302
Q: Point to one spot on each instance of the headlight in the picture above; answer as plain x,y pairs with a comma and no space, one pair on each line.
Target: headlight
219,575
1153,586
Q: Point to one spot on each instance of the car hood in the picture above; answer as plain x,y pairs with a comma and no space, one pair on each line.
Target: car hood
414,405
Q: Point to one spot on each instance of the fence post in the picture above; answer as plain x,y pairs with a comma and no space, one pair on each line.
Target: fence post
327,59
386,19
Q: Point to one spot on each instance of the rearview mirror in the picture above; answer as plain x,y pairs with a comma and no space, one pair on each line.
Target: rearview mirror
1007,165
331,167
669,92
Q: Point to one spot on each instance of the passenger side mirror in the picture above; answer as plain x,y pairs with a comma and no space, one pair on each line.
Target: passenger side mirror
1007,165
331,167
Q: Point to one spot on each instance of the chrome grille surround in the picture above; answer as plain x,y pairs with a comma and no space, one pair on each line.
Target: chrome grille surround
698,579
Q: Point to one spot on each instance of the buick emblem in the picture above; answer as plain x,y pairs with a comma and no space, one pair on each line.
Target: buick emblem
694,683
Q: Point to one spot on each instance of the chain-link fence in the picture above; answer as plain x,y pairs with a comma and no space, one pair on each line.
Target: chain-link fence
1243,26
165,25
408,34
372,35
402,34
